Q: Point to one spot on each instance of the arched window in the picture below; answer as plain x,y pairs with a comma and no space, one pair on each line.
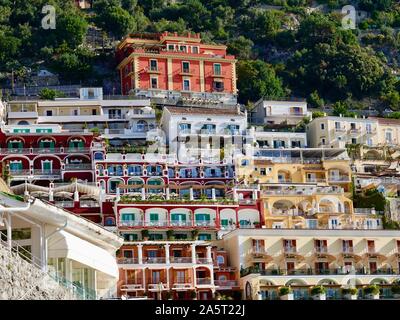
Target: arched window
109,221
220,260
23,123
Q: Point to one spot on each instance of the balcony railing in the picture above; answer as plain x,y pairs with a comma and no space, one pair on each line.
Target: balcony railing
226,283
180,259
258,250
64,204
204,224
290,249
180,285
22,172
89,204
154,260
203,281
128,260
203,261
321,250
132,286
338,178
78,167
46,173
348,250
181,223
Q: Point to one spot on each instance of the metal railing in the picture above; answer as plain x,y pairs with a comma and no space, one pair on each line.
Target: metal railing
203,281
181,259
226,283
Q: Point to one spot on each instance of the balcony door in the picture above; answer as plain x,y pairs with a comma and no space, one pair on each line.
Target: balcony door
178,219
47,166
290,267
202,219
16,166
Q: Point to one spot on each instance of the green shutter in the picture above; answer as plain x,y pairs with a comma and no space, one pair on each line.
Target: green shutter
128,217
178,217
224,222
153,216
202,217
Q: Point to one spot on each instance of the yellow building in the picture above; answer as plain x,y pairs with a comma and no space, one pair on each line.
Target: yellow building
270,259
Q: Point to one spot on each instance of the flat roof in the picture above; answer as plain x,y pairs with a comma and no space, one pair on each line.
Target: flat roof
203,111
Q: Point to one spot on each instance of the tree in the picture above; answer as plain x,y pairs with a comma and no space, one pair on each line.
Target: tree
240,47
257,79
72,29
110,16
315,101
50,94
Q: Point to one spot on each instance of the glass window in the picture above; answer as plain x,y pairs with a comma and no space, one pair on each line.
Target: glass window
186,85
204,236
217,69
185,67
153,65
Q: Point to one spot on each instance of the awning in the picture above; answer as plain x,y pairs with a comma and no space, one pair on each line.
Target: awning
66,245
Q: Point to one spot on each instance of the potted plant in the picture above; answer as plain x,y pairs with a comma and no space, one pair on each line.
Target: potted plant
193,295
286,293
256,224
169,295
195,234
371,292
396,290
170,234
350,293
145,234
318,293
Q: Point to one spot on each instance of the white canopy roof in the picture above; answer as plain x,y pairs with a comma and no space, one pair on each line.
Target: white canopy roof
66,245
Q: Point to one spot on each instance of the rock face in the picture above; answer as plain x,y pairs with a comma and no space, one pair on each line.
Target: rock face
20,280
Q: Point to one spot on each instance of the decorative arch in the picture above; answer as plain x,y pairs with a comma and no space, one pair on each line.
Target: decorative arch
327,282
379,281
296,282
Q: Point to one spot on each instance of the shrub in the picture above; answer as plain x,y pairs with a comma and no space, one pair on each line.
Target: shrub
395,289
284,290
318,290
371,289
352,291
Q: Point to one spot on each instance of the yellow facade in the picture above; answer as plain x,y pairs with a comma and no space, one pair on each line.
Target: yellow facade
303,258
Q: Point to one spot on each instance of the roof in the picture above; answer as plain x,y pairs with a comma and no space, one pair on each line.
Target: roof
387,121
203,111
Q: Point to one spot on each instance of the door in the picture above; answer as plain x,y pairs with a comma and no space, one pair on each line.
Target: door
290,267
154,219
373,267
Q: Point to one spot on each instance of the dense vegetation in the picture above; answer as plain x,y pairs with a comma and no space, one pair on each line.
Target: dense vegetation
283,51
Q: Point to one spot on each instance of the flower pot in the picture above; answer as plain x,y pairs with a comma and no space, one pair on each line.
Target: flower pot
320,296
350,296
372,296
288,296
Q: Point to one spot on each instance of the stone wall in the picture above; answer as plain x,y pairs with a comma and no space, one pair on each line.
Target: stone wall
20,280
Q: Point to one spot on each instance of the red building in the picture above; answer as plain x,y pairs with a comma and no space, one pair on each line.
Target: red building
168,64
44,155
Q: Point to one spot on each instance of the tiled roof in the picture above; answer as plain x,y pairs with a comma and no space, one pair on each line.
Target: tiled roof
203,111
387,121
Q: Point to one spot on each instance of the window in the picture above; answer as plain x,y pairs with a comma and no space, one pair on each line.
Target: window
49,113
337,125
153,65
388,136
115,114
182,48
22,130
369,142
312,223
44,130
128,254
218,86
154,82
94,112
75,112
368,128
171,47
354,140
109,221
323,141
352,126
195,50
15,166
220,260
322,126
185,67
128,217
217,69
130,237
204,236
186,85
263,172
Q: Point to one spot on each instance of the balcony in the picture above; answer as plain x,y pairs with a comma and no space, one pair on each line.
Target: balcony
19,173
182,286
321,250
349,250
22,115
203,261
127,260
218,74
341,178
203,281
77,150
153,69
340,129
226,283
154,260
187,72
204,224
355,131
46,174
290,250
207,131
89,204
78,167
132,287
181,259
157,286
181,224
64,204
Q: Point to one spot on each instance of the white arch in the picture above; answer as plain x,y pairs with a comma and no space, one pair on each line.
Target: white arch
296,281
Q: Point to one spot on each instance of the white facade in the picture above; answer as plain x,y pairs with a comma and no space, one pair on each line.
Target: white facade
276,112
279,139
183,127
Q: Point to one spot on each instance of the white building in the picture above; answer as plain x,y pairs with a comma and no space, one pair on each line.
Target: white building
267,112
207,129
276,139
73,250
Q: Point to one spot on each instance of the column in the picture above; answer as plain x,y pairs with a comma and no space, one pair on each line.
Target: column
202,80
255,194
143,193
213,195
191,197
194,276
235,194
9,232
76,195
167,196
51,195
140,253
167,271
118,197
166,253
209,258
170,78
193,253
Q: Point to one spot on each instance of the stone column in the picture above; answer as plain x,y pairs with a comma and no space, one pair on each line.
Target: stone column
193,253
140,253
209,258
213,195
143,193
167,253
191,197
167,196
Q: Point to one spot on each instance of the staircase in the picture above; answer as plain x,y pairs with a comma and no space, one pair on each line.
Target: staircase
21,278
